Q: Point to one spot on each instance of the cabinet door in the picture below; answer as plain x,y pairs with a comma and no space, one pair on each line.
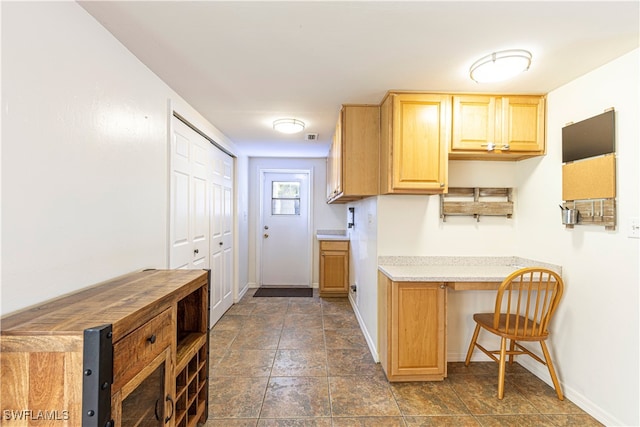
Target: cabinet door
523,124
360,128
147,400
329,169
420,139
475,124
334,172
418,323
334,268
337,159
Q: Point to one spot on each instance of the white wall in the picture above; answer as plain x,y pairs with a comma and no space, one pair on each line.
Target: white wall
242,219
363,268
84,154
324,216
596,334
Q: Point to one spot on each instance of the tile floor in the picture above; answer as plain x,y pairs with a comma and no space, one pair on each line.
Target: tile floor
304,362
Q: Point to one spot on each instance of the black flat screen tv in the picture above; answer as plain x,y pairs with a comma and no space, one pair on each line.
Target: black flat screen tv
589,138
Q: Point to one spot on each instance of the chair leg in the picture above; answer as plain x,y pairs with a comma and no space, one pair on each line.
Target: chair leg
552,371
512,347
472,344
502,367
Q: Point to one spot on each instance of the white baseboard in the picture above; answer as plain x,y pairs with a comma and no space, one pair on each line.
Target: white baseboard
241,293
367,336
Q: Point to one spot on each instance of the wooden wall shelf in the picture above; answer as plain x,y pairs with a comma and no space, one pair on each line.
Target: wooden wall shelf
594,212
475,201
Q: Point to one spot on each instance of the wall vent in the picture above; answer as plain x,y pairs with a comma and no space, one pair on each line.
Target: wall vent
311,137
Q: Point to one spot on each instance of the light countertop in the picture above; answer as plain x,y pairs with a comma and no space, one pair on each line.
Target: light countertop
447,273
331,235
454,269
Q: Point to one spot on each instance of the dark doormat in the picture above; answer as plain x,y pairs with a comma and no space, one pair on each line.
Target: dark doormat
284,292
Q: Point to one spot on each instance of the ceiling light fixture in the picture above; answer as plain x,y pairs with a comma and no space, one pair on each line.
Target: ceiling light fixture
500,66
288,125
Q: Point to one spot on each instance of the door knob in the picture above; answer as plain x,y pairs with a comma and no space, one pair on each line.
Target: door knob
266,235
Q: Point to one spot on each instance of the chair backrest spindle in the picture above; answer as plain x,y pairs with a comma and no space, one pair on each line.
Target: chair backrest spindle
526,301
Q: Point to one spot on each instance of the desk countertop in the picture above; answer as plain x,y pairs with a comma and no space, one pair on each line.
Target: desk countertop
456,271
447,273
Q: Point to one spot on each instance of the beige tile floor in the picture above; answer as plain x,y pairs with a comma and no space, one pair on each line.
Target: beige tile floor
303,362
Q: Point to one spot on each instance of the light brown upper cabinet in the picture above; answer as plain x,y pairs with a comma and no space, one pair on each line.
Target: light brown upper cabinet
494,127
353,161
414,138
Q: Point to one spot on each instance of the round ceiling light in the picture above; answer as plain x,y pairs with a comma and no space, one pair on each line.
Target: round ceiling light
500,66
288,125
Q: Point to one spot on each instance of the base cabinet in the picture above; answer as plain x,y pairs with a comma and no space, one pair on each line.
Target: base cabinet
412,330
334,268
130,351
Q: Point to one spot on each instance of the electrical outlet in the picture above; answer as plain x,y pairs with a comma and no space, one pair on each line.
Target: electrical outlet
634,228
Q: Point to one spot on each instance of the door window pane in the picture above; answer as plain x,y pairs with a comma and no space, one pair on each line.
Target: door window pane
285,198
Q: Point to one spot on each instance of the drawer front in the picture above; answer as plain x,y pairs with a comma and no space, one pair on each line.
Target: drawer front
140,347
331,245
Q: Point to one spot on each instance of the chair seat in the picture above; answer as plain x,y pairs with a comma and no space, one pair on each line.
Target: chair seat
486,321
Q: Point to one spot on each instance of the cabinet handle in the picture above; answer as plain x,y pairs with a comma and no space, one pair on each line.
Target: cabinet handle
506,147
490,146
152,339
195,251
443,286
170,400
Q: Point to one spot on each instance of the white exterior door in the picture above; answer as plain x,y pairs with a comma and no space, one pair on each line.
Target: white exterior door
285,229
201,212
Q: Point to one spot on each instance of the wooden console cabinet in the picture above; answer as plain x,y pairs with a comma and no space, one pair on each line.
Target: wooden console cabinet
412,329
130,351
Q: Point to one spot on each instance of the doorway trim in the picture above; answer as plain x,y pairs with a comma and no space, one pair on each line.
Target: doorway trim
260,221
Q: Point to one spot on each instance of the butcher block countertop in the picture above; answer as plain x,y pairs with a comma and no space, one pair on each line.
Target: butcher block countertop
458,273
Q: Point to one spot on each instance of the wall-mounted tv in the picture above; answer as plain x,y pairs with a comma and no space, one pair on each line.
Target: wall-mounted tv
591,137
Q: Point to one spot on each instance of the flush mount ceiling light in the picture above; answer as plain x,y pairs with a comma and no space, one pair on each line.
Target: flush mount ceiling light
288,125
500,66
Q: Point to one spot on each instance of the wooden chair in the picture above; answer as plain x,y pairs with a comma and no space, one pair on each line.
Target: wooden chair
524,307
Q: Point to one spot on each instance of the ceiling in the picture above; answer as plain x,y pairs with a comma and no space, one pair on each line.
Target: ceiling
243,64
